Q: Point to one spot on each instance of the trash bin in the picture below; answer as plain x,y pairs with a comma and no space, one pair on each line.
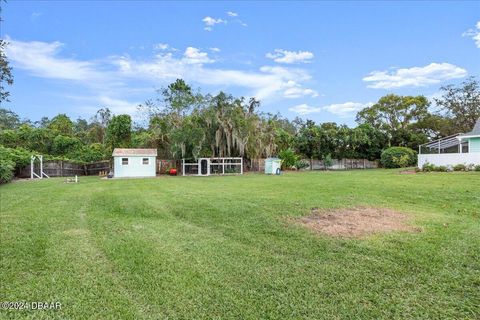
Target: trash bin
272,165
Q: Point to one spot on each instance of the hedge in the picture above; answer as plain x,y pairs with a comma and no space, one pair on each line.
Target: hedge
398,157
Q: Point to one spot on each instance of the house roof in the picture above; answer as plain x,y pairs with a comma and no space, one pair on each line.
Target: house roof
119,152
474,133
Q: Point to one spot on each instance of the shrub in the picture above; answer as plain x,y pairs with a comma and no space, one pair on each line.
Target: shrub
20,157
428,167
328,161
301,164
477,167
90,153
401,161
289,158
441,168
398,157
63,145
459,167
11,160
6,170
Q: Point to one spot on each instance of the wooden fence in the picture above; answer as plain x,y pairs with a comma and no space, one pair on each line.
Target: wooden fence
61,168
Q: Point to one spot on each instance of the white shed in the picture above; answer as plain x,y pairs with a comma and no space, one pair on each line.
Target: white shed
134,162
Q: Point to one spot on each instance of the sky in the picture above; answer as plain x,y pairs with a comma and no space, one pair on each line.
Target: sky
323,61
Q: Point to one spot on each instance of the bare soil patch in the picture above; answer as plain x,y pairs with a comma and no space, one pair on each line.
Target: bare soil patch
355,222
408,172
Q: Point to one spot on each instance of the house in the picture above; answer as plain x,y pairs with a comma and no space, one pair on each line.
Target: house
134,162
456,149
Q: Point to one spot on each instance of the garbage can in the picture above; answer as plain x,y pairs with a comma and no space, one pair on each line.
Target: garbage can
272,165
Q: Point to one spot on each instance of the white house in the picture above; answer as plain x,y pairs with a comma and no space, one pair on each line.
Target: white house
134,162
452,150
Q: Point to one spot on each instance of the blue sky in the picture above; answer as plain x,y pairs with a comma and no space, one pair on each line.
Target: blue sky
318,60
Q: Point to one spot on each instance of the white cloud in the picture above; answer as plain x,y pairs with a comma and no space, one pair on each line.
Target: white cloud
35,15
195,56
214,49
210,22
90,104
294,90
343,110
433,73
304,109
284,56
232,17
118,76
346,109
118,105
161,46
265,83
474,34
41,59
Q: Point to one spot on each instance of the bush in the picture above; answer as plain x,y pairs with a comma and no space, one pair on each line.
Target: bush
11,160
459,167
6,170
328,161
477,167
20,157
301,164
64,145
398,157
289,158
441,168
428,167
91,153
402,161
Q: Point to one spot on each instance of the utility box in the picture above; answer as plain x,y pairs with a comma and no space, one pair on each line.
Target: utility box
272,165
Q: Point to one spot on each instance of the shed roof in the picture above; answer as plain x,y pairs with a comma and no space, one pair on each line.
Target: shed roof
120,152
474,133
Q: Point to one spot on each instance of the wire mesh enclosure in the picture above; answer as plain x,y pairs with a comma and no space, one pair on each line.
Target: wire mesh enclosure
450,144
212,166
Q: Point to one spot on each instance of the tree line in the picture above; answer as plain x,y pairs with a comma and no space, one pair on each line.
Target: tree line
184,123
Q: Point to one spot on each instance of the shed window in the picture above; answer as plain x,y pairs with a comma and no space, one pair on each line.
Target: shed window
124,161
145,161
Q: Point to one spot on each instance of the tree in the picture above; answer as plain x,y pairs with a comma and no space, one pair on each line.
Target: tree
61,124
371,144
328,139
179,98
98,128
6,76
65,145
119,131
43,122
307,140
394,115
9,119
461,104
80,129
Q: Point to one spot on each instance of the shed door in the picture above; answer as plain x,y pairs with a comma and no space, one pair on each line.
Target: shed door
204,167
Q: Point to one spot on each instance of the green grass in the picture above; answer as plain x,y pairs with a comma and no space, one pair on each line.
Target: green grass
220,247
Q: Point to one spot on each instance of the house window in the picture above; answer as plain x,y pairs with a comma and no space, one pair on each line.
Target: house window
124,161
145,160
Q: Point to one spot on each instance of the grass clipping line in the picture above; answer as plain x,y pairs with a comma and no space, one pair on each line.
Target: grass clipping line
355,222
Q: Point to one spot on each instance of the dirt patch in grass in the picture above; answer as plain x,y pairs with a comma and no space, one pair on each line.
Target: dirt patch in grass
408,172
355,222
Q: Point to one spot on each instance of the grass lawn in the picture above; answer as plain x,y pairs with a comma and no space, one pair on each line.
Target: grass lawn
221,247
